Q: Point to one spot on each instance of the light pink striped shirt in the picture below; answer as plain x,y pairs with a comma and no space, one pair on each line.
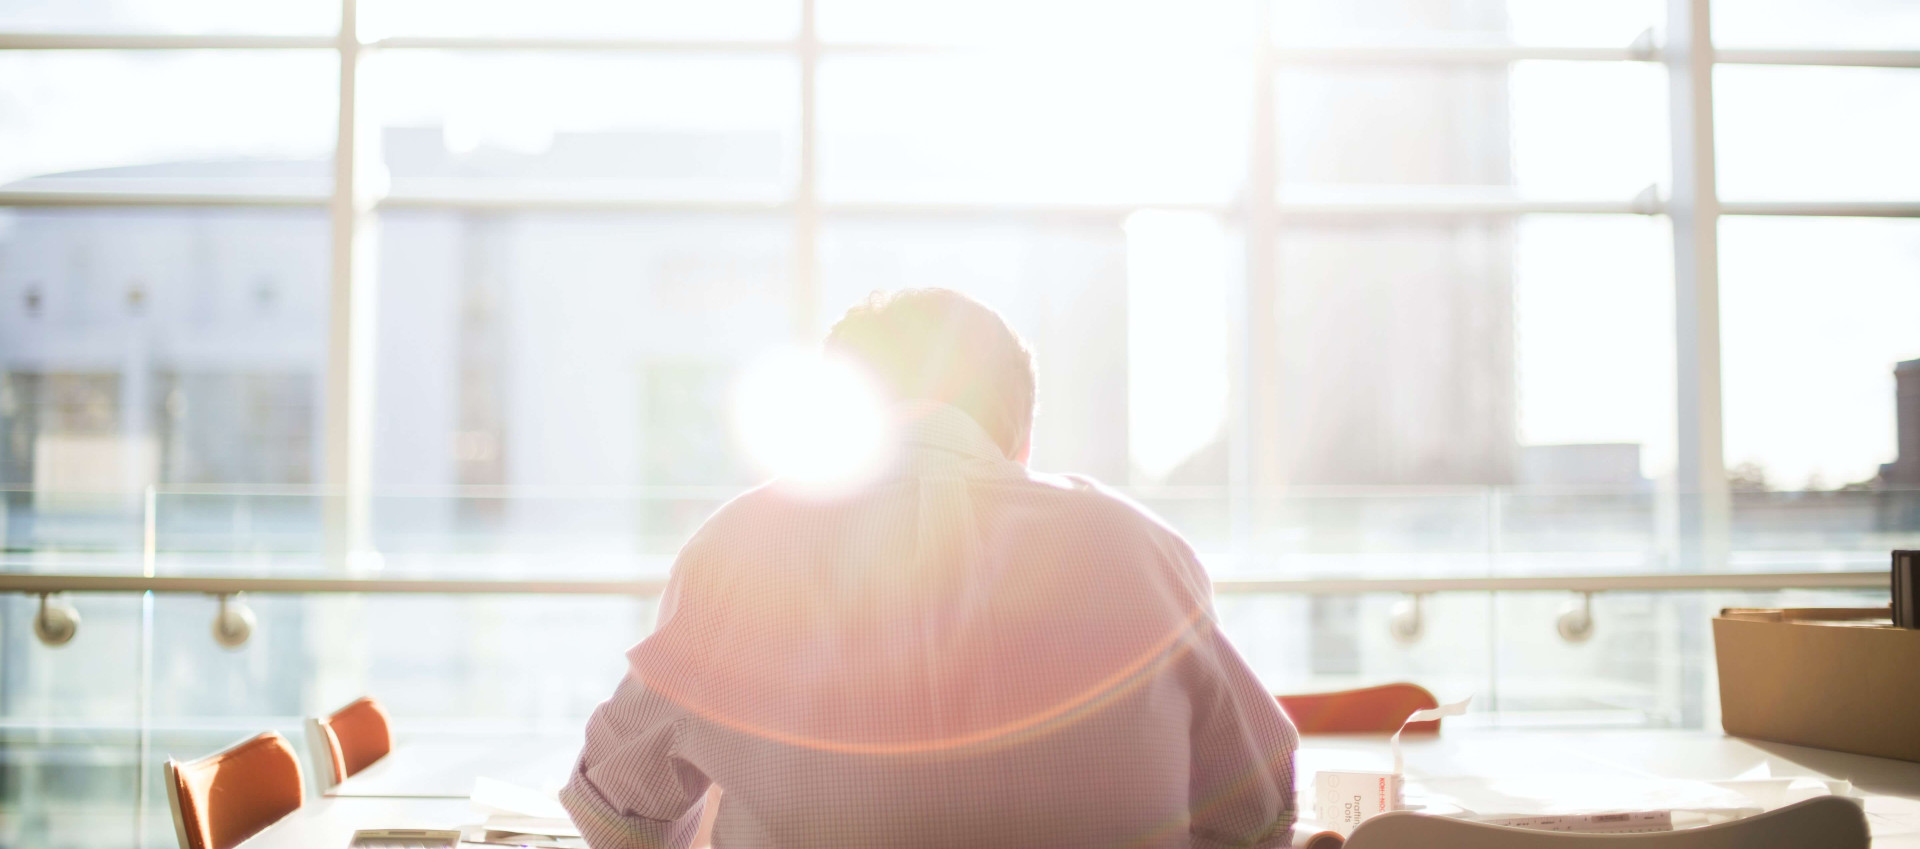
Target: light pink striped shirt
964,654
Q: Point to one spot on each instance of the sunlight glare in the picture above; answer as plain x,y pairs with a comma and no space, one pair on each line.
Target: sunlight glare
1176,337
815,422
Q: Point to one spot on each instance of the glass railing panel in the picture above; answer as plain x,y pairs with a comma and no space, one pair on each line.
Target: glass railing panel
93,679
1819,531
453,535
1202,514
473,665
241,533
1575,531
1303,644
635,533
86,726
70,787
517,661
70,725
68,531
1638,664
542,533
1366,533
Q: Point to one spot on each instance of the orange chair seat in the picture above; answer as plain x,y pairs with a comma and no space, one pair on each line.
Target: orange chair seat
356,736
1368,710
227,797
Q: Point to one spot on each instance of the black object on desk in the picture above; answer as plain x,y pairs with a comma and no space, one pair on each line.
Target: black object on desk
1906,589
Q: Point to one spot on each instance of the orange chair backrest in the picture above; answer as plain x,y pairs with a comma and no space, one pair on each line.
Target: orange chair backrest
357,735
229,796
1368,710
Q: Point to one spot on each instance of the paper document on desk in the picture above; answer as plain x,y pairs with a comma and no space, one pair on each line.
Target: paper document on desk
499,797
1625,822
1532,797
1768,792
522,816
495,837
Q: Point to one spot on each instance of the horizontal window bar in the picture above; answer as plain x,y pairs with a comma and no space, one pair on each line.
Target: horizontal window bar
1413,203
634,45
44,583
1839,208
1322,205
1848,58
1417,203
154,197
564,202
177,41
162,41
990,209
1564,583
1468,54
1453,54
54,583
1439,53
561,44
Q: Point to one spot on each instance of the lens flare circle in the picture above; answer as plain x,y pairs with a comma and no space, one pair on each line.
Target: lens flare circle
814,421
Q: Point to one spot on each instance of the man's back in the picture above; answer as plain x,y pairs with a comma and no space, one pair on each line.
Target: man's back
962,654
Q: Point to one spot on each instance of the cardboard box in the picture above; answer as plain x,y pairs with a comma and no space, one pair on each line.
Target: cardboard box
1344,800
1832,678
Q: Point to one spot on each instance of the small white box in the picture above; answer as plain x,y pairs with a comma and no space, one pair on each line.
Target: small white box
1344,800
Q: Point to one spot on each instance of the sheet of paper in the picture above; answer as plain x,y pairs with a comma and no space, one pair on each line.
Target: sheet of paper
526,841
1892,816
1544,795
547,826
1428,715
1771,793
499,797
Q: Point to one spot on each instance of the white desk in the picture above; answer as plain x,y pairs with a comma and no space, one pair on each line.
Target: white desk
444,766
438,773
1891,788
329,822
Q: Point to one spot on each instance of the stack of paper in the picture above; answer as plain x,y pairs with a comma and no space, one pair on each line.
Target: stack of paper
1510,801
521,816
1594,804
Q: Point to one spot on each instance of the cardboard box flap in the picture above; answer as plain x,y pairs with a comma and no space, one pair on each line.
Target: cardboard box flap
1807,614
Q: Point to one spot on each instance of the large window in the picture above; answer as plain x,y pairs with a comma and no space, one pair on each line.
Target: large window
1372,289
586,220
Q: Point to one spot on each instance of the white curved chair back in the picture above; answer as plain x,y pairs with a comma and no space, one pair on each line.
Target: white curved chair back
1828,822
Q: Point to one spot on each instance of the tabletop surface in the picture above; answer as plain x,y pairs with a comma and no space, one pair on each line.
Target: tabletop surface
330,821
445,765
424,782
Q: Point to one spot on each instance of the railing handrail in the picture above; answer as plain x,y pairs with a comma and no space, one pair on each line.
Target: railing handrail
39,583
704,491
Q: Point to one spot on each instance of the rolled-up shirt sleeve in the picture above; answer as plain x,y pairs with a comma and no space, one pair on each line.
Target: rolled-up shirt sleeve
1243,745
631,789
1242,782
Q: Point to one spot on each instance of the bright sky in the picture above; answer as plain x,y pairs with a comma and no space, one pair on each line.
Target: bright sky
1815,312
1177,336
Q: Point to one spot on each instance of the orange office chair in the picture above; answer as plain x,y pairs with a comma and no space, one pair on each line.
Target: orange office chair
221,800
1368,710
348,741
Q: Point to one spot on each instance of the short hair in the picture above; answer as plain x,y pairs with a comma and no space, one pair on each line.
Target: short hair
940,345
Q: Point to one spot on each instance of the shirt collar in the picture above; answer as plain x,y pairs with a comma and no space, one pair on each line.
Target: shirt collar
931,426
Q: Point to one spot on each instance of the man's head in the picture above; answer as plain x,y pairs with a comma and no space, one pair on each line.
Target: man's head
940,345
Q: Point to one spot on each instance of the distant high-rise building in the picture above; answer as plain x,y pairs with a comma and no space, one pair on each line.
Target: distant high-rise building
1905,470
